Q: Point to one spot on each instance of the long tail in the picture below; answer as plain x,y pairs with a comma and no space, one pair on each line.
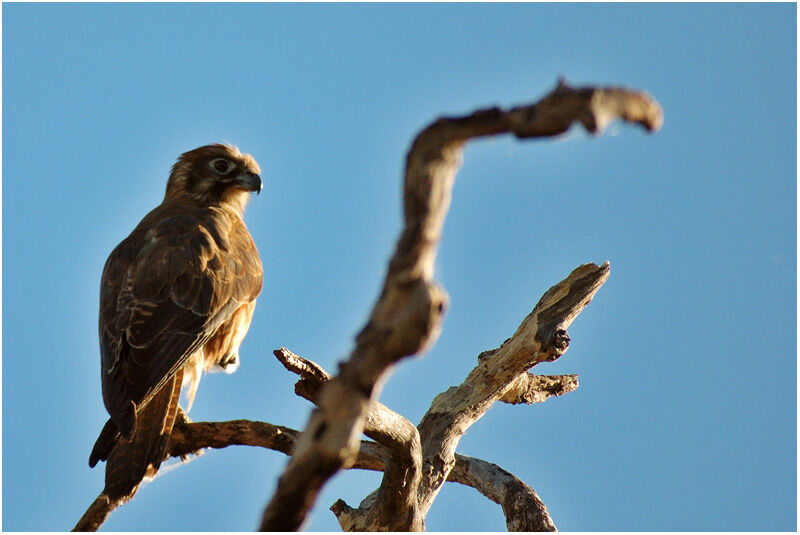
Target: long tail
131,460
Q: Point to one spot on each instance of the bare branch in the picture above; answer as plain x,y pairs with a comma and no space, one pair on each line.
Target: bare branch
523,509
521,505
529,388
308,370
593,107
312,375
191,438
407,315
542,336
393,506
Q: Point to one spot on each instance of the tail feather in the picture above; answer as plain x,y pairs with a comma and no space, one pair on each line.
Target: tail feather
104,443
169,423
132,460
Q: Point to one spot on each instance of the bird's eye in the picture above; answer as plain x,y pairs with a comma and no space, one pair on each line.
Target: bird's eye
221,165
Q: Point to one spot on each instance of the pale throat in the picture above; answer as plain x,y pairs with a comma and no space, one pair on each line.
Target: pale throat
236,198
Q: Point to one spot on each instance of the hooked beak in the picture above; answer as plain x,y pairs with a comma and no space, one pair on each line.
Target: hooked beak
250,182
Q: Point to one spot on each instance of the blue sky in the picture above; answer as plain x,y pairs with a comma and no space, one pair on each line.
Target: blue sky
686,414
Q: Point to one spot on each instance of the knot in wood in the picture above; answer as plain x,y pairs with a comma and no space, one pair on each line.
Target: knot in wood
558,344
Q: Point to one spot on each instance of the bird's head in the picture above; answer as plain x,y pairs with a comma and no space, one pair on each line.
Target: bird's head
214,174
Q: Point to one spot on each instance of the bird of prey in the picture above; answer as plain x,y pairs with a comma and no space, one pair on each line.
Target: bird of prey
176,299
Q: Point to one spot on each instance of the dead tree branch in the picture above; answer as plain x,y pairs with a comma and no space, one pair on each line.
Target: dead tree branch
398,445
192,438
407,315
529,388
541,337
501,374
523,509
394,505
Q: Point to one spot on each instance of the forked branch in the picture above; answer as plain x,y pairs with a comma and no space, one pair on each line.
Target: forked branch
407,316
394,505
541,337
521,505
192,438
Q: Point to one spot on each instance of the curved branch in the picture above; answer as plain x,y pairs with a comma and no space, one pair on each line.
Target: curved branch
521,505
191,438
523,509
407,315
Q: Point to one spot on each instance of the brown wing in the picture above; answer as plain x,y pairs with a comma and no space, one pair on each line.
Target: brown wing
166,289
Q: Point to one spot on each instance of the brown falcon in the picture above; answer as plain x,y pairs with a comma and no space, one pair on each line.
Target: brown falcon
176,298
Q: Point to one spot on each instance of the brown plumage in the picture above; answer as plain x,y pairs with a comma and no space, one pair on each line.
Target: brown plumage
176,298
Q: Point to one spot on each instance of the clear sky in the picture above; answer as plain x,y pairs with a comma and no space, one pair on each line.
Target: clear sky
686,414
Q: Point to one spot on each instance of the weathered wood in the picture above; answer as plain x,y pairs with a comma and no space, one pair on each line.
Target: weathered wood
523,509
393,506
519,502
529,388
541,337
407,316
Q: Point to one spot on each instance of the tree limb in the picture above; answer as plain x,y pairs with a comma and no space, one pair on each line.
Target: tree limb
541,337
529,388
393,506
191,438
407,315
523,509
